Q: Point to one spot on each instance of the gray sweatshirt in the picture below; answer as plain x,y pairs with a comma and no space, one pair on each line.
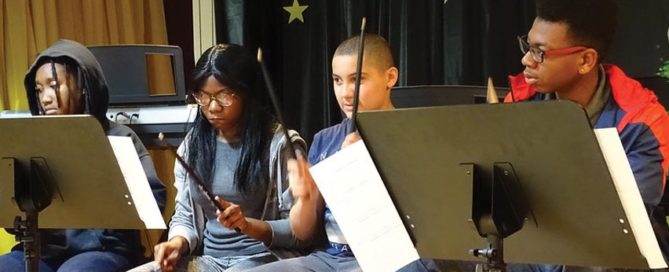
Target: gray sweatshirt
189,219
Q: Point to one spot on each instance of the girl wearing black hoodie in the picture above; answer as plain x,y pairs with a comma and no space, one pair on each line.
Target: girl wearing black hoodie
67,79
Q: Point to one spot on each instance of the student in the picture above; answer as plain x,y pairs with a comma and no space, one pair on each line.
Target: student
237,149
67,79
563,55
310,215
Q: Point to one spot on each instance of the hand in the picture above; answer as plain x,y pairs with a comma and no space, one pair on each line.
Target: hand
350,139
301,182
232,217
167,254
308,205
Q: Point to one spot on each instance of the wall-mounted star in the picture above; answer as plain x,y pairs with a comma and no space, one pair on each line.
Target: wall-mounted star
295,11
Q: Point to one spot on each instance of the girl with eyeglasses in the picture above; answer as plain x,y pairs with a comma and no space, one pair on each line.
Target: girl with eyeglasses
237,149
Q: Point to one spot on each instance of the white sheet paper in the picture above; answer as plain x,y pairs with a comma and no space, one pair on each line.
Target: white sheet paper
138,185
629,194
359,201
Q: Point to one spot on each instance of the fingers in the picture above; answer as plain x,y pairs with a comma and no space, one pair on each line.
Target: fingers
303,166
305,174
159,253
232,217
298,165
171,260
238,222
296,168
293,167
166,256
350,139
300,179
224,204
231,210
167,266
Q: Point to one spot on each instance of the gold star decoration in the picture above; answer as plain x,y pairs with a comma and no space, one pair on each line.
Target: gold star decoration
295,11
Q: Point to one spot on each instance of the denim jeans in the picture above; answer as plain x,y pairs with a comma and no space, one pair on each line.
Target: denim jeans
212,264
88,261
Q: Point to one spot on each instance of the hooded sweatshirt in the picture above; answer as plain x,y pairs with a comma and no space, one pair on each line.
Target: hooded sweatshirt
60,245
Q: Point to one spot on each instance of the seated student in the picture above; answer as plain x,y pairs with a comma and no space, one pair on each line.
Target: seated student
237,149
309,216
67,79
563,59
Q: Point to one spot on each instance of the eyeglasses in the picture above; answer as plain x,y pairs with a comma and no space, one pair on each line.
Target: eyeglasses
223,98
538,54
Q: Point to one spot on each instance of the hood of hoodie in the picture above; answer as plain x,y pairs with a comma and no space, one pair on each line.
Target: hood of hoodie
94,86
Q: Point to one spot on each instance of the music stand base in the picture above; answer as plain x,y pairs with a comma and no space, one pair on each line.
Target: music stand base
494,255
28,235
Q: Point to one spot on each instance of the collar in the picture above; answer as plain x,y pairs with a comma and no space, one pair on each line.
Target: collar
599,98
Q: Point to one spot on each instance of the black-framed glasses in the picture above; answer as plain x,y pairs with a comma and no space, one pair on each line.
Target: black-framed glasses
538,54
223,98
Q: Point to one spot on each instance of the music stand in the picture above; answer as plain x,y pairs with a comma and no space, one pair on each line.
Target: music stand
438,163
62,170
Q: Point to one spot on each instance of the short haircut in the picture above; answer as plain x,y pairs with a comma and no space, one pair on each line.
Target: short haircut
376,51
590,23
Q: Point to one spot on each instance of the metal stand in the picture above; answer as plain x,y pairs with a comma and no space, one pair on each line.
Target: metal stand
28,234
560,167
498,210
494,255
33,173
33,193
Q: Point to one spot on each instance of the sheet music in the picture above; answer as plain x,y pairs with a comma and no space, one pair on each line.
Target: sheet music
629,194
359,201
137,183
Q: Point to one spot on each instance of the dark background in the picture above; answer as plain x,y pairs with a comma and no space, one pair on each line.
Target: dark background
434,43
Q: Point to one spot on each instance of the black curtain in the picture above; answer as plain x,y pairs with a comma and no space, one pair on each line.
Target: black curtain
179,23
641,44
456,42
433,42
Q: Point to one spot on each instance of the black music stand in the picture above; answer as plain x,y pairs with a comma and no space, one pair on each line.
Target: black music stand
62,170
529,174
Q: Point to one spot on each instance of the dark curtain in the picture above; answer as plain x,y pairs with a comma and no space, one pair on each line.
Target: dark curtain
179,23
457,42
641,44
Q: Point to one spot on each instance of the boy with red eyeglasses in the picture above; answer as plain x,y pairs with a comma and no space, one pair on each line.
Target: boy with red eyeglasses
563,55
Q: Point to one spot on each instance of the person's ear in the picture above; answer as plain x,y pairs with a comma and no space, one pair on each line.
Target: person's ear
588,61
391,77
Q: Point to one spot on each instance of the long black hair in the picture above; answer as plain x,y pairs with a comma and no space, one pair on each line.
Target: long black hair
234,67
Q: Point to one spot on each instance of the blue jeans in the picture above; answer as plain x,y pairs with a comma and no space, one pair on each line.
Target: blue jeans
567,268
213,264
88,261
320,261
